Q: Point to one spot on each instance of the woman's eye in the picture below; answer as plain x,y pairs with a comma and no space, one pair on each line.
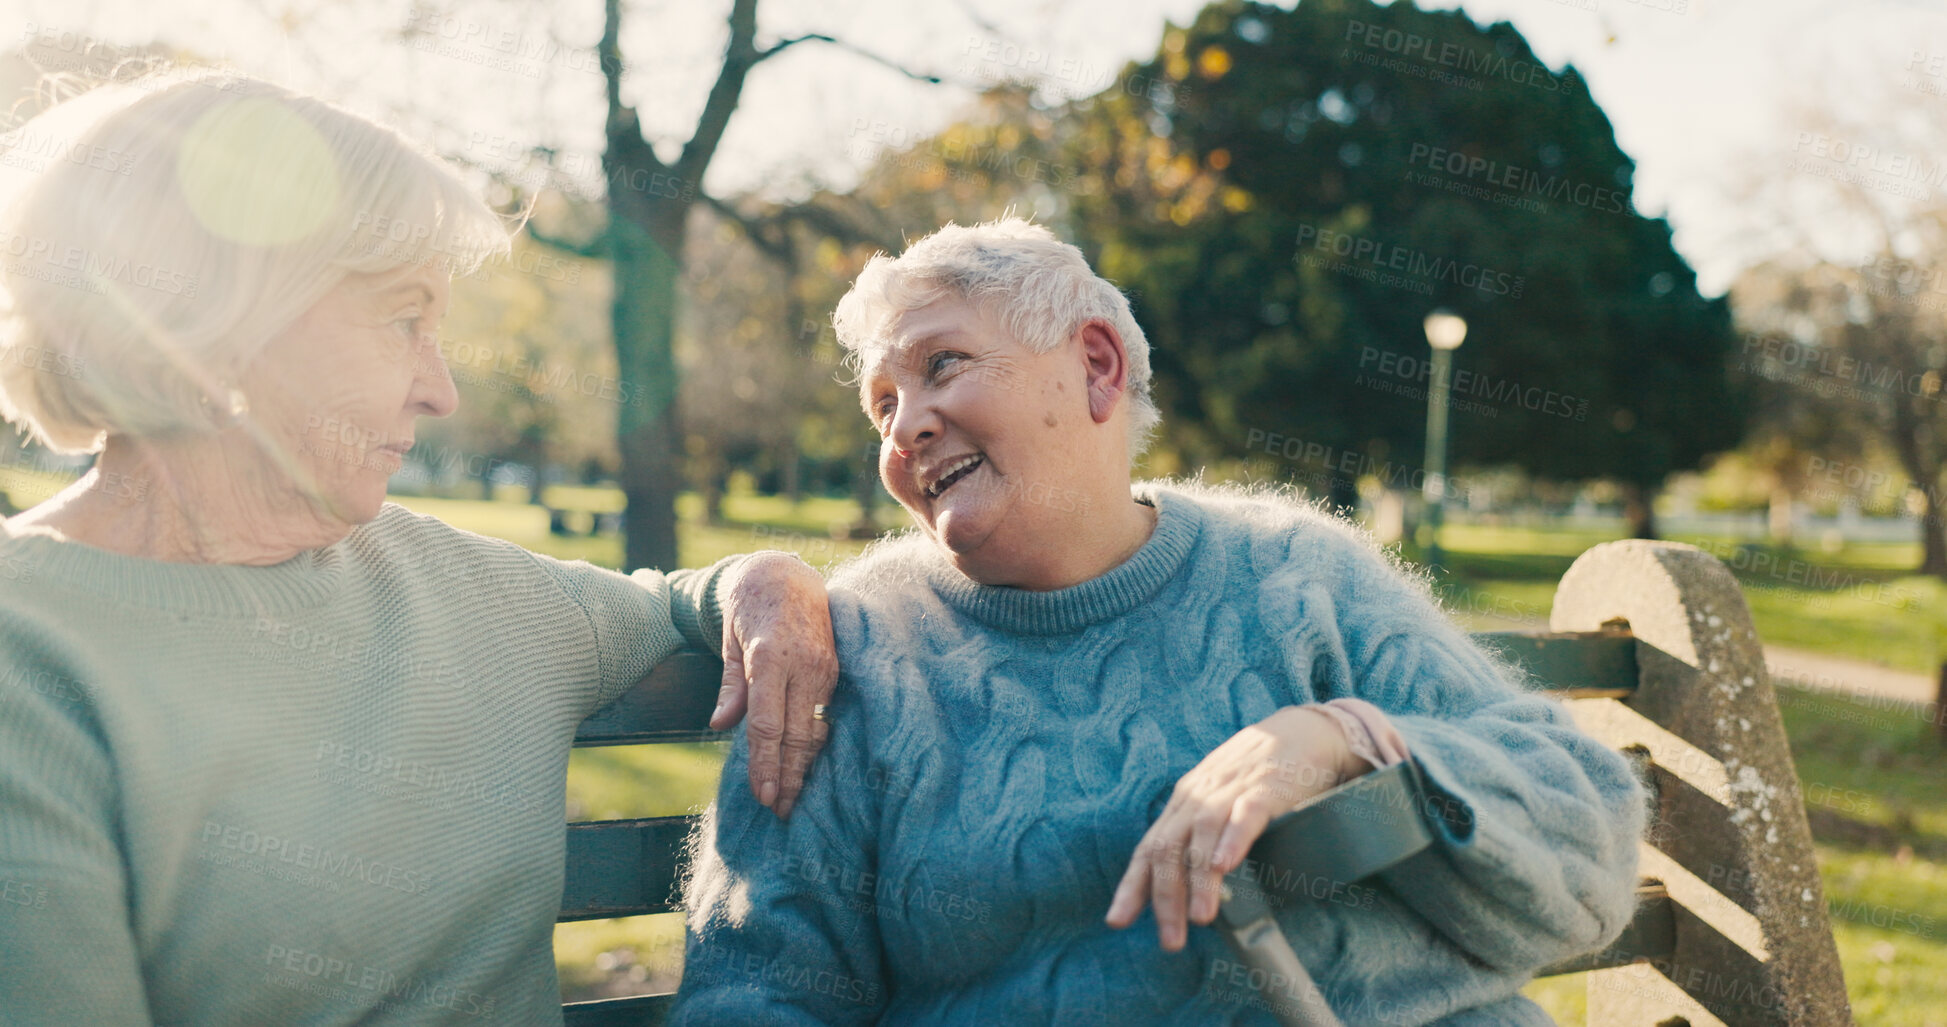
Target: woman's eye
938,362
883,409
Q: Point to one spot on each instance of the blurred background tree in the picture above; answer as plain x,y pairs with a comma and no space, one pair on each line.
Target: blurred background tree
644,234
1852,349
529,354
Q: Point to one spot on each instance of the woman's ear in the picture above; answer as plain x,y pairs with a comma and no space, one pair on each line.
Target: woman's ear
1107,365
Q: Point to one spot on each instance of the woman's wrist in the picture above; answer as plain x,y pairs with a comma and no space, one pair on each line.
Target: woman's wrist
1345,763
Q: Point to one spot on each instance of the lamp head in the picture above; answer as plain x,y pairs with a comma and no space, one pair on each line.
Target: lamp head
1445,329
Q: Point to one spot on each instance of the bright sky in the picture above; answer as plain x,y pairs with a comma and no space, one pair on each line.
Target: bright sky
1713,98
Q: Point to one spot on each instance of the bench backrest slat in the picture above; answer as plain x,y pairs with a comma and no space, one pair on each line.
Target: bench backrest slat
672,703
1572,664
638,1011
623,867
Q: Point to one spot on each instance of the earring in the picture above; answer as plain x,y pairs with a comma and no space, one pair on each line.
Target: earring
236,404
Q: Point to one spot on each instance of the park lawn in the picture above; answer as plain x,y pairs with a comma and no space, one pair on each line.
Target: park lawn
1862,602
27,487
813,529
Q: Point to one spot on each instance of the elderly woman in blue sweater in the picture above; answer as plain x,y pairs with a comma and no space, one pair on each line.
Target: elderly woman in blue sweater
1067,701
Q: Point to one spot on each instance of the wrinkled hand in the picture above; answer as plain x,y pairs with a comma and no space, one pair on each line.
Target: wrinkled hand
1219,808
778,652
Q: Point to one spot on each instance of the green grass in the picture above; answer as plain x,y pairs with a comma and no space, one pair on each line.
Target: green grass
609,958
1861,601
26,487
814,529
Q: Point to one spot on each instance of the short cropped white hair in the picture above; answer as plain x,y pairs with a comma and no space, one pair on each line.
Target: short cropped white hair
1042,289
174,225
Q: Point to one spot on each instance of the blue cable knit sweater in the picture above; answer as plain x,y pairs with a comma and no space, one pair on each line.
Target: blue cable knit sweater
996,754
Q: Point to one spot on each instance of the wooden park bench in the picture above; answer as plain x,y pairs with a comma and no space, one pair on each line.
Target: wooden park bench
1651,645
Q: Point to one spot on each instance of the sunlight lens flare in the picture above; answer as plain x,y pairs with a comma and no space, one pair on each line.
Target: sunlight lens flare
258,173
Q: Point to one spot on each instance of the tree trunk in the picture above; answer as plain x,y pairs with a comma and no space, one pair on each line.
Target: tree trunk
1781,519
865,490
537,485
1922,463
1639,509
649,434
534,453
1933,535
793,475
715,479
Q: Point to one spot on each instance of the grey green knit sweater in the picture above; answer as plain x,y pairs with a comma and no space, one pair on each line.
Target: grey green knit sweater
325,792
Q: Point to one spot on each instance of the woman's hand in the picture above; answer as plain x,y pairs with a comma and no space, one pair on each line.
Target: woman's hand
1218,810
778,651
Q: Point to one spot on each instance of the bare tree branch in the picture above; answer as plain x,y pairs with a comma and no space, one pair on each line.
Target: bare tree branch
770,232
758,232
593,249
820,37
979,20
609,53
740,54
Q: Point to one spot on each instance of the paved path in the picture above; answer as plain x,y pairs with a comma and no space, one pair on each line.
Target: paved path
1844,674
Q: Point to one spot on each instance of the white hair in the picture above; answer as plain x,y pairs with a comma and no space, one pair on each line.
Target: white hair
1042,288
175,224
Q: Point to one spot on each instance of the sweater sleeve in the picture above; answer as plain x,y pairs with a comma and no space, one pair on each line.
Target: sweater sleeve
1536,824
639,619
782,922
64,910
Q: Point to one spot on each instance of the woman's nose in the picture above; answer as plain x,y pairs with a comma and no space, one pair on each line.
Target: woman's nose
433,392
913,425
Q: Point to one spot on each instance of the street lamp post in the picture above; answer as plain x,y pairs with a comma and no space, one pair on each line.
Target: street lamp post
1444,330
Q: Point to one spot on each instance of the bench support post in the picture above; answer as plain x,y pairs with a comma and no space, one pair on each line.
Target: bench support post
1753,945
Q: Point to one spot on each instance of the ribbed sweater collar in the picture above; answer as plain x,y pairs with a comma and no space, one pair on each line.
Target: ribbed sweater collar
1134,582
211,590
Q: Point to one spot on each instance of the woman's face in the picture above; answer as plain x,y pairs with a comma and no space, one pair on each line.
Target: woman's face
983,439
338,391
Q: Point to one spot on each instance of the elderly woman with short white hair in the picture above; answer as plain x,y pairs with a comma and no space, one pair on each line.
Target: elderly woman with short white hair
271,749
1066,699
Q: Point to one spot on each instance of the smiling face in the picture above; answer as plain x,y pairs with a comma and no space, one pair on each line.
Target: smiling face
993,448
337,392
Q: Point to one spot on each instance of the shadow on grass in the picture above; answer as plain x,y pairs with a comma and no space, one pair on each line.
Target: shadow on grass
1870,770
